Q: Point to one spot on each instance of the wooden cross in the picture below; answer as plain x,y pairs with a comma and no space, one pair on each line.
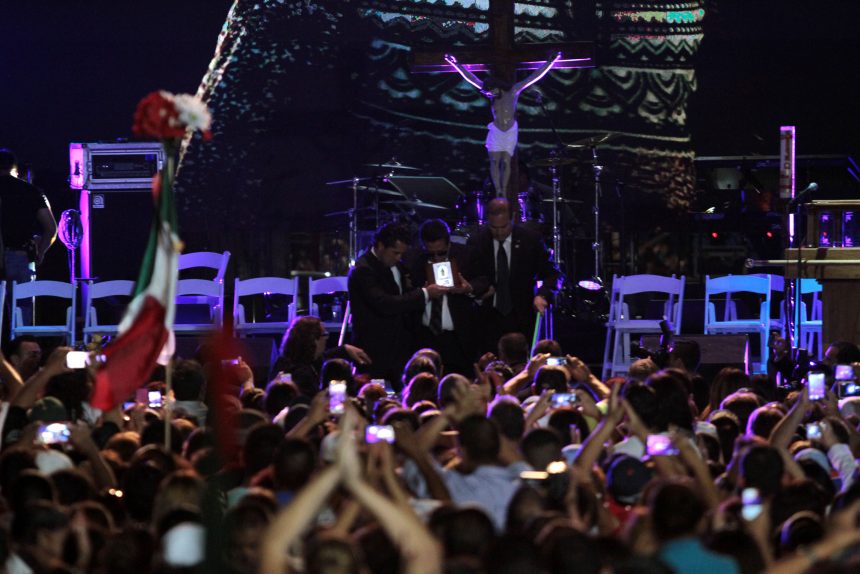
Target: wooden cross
503,57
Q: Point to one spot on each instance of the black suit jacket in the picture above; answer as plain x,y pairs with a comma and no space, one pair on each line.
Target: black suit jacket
461,307
383,319
530,262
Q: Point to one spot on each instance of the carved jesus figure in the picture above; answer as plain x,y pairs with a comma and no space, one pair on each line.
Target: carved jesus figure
503,130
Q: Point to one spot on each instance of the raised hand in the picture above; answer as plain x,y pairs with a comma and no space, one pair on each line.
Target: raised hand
435,291
347,454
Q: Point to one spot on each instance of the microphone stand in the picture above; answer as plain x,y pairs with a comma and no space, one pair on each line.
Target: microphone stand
557,239
793,303
792,290
797,301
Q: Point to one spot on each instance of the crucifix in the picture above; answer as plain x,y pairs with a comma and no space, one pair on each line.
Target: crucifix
503,58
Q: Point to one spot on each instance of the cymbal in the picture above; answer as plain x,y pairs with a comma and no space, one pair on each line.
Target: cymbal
593,140
345,212
347,181
416,204
370,188
552,161
393,165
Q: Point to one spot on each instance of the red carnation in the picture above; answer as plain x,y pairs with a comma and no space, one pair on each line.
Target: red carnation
156,117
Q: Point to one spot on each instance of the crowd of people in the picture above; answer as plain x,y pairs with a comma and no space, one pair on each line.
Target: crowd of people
479,452
531,464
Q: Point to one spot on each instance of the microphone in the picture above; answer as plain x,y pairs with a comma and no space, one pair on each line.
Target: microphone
801,197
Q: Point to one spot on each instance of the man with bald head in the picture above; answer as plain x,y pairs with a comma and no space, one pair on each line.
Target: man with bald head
507,261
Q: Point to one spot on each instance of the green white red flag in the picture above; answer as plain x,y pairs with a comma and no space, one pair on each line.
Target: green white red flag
146,332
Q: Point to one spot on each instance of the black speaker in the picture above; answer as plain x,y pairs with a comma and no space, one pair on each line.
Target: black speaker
116,229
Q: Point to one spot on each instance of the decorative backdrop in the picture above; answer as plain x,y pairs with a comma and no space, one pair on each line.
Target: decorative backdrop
304,92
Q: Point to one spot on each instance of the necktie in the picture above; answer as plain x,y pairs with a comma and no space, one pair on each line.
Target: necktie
436,316
503,276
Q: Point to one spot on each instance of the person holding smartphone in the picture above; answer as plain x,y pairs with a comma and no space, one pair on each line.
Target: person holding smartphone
447,323
385,304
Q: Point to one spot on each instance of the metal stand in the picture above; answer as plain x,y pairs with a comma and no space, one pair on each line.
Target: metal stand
556,223
353,223
595,246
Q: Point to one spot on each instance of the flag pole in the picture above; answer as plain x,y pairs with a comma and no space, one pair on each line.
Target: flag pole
168,404
343,326
536,332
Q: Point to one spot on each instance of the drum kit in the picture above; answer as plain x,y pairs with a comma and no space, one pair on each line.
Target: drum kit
374,195
582,153
378,199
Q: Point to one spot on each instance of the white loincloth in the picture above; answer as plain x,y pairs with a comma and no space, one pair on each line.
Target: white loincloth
497,140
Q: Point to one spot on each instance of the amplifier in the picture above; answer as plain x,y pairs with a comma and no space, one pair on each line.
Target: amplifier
114,166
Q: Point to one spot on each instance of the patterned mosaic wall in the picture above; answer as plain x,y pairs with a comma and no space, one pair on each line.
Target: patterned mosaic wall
304,92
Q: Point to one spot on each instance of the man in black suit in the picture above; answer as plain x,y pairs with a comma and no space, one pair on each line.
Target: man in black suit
385,306
447,323
506,263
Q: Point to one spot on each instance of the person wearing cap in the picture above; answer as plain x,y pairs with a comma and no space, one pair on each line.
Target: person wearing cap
626,478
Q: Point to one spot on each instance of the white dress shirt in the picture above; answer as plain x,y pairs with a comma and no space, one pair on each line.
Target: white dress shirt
447,321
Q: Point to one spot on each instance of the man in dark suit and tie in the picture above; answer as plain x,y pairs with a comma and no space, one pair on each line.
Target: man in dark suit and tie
507,261
447,323
385,306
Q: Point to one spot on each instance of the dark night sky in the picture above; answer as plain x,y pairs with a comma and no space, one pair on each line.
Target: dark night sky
73,71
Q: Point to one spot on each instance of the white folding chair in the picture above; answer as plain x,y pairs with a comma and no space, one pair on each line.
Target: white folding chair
120,289
336,286
43,288
200,292
206,259
624,324
266,286
811,320
731,323
777,312
202,260
612,317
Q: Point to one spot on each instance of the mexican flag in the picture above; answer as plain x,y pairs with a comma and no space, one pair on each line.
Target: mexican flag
146,332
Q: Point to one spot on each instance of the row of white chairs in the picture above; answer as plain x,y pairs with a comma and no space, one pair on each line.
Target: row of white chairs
207,293
621,325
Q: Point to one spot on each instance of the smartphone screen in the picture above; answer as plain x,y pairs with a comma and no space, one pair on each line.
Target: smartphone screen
53,433
816,386
336,396
556,361
563,399
154,399
76,359
751,500
849,388
844,372
813,431
660,445
443,274
379,433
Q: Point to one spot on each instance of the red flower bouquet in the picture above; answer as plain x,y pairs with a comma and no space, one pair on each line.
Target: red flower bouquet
165,116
